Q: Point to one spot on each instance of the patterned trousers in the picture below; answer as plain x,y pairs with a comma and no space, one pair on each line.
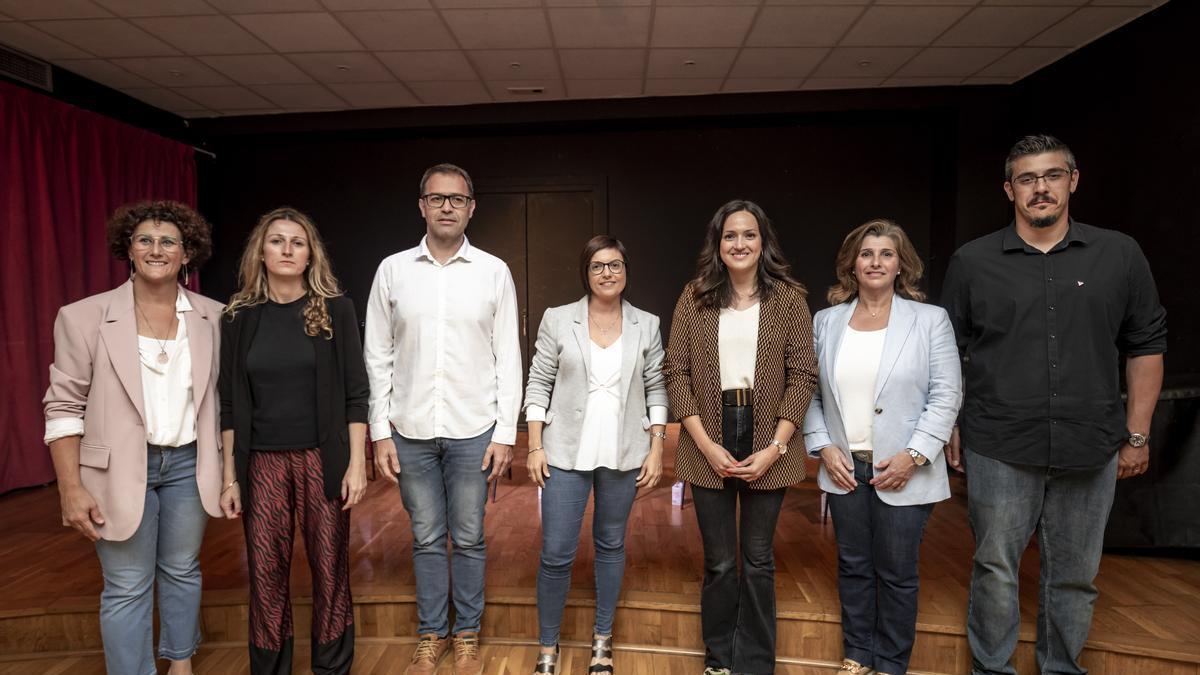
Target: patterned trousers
286,489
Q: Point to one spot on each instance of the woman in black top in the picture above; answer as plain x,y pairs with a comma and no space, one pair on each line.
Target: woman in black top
293,418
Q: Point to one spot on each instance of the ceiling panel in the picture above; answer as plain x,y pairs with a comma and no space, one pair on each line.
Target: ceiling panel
531,64
342,67
265,6
1023,61
604,88
600,27
173,71
688,63
156,7
802,26
902,26
499,28
1085,25
950,61
257,69
682,87
451,93
777,62
1001,26
308,32
25,10
106,73
375,95
485,4
550,90
356,5
761,84
203,34
429,66
396,31
300,96
226,98
106,37
28,39
864,61
921,81
841,82
608,64
701,26
164,98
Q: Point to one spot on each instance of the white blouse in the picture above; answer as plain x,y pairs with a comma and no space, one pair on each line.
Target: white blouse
737,346
599,439
855,371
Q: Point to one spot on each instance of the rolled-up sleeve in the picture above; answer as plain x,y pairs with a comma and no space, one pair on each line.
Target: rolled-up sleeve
65,401
1144,325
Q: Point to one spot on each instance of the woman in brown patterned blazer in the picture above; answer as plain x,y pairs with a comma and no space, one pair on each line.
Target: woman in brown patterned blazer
740,372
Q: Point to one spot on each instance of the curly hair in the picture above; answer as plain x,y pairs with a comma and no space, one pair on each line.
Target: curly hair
711,285
195,230
319,281
911,267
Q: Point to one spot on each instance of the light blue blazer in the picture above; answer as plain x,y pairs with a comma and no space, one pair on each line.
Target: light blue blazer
917,395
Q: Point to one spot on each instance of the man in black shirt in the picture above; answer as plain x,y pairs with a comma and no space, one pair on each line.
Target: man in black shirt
1043,310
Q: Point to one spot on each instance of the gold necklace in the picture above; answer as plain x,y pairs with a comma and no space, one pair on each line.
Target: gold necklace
603,330
163,357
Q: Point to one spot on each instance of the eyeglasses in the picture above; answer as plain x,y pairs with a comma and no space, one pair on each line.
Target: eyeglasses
1052,177
144,242
434,200
615,267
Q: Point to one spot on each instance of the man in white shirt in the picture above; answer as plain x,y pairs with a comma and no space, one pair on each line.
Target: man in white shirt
444,362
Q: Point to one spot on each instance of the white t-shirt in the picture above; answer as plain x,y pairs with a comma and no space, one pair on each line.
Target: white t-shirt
855,372
737,346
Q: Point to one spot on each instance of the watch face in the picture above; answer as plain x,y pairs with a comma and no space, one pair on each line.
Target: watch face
1137,440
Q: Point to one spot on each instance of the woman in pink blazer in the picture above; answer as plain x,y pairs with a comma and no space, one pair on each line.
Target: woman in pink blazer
131,421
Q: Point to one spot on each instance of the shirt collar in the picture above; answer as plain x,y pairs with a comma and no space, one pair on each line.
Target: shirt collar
1014,242
182,304
463,253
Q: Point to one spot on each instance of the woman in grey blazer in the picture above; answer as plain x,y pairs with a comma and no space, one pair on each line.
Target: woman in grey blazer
597,411
890,391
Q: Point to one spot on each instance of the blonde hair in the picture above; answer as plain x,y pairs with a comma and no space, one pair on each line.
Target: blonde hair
319,282
911,267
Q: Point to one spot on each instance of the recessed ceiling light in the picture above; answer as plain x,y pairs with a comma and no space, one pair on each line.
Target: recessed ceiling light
689,62
175,73
515,65
864,63
526,91
343,68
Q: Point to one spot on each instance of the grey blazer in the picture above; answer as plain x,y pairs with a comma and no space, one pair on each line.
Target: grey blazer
917,395
558,381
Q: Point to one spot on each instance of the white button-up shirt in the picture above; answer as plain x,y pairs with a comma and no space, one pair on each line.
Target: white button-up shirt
442,349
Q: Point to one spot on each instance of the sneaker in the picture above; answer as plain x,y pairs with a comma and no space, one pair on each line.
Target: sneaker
716,671
428,654
466,654
852,667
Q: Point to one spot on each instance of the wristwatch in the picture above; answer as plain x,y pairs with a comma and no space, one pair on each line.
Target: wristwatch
782,446
1138,440
917,457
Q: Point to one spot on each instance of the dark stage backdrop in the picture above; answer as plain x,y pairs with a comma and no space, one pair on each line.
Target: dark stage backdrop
816,178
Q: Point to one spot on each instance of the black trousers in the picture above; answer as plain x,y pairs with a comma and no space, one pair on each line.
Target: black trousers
737,612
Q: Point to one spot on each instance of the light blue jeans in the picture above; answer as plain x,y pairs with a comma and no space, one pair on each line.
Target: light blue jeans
166,548
445,492
1069,509
564,501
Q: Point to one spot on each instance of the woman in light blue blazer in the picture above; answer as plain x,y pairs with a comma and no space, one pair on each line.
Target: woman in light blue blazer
890,392
597,410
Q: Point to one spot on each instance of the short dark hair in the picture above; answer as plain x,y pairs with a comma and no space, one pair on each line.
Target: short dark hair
195,230
1037,144
453,170
594,245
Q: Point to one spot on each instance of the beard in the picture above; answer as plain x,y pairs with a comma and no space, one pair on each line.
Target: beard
1043,222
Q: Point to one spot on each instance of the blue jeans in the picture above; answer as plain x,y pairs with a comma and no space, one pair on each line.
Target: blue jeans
1068,508
444,492
564,501
878,547
166,548
737,615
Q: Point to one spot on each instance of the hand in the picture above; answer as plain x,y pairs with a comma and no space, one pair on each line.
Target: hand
231,499
499,456
897,469
80,511
953,451
652,467
753,467
839,468
354,484
386,461
1132,461
718,458
538,467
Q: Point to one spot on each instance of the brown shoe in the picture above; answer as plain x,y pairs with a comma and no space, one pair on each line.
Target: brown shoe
466,654
428,654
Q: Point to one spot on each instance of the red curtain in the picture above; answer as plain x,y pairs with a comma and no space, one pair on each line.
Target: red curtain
63,170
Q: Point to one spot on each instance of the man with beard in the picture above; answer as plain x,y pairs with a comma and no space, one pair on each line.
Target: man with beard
444,361
1043,311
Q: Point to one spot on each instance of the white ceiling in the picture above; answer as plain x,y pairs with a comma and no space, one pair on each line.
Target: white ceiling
203,58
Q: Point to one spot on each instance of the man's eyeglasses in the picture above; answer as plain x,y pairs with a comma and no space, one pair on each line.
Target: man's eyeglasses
435,201
1052,177
144,242
615,267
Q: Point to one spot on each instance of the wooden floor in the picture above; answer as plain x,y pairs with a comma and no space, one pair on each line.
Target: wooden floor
1148,606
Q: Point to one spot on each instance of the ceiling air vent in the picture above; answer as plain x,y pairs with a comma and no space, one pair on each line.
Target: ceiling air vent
25,68
526,91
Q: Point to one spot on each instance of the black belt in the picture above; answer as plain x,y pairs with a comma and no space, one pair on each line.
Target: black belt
737,397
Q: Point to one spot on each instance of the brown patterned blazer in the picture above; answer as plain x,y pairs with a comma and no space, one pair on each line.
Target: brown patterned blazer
785,375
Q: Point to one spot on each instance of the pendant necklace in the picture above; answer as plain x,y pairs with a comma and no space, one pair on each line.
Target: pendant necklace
163,357
604,330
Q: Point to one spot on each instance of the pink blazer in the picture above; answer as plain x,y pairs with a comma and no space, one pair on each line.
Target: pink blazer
96,375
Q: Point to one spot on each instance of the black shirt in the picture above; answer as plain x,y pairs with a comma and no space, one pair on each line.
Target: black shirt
1041,336
282,368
